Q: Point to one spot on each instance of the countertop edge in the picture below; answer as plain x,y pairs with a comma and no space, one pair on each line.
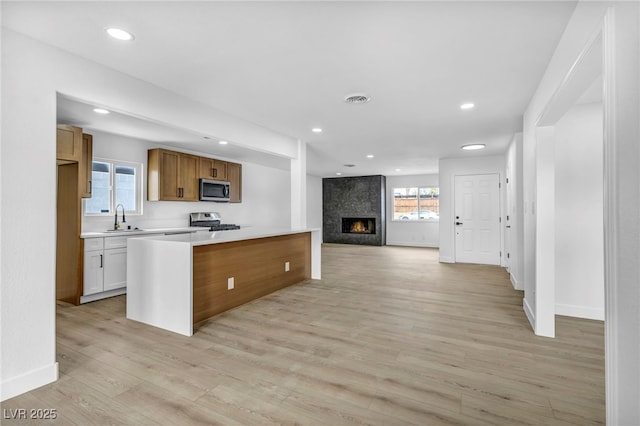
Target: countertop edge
142,232
256,234
219,237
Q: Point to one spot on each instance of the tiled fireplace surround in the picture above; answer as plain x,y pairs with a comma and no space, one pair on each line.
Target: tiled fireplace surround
348,200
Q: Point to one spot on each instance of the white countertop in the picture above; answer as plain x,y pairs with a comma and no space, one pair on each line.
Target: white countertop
141,232
246,233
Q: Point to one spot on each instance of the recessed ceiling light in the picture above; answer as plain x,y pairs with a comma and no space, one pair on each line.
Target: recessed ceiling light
119,34
100,111
316,130
357,98
223,142
397,170
338,174
467,105
473,146
370,155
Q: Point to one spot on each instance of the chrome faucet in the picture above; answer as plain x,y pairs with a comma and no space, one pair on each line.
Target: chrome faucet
116,225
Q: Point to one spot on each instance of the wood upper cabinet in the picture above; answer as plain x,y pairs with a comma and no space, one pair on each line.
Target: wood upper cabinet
68,143
172,176
86,166
210,168
188,176
234,176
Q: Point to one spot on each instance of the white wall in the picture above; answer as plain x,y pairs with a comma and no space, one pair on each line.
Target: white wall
514,209
620,24
314,202
32,74
579,213
265,191
408,232
449,168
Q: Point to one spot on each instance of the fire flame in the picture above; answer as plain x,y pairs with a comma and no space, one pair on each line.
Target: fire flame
358,227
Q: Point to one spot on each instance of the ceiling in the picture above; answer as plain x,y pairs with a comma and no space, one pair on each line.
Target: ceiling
287,66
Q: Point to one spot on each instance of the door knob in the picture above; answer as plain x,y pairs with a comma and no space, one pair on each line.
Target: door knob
458,223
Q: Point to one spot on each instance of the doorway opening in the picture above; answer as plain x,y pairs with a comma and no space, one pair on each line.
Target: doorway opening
569,267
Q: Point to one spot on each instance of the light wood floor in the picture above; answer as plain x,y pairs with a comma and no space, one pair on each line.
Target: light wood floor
388,337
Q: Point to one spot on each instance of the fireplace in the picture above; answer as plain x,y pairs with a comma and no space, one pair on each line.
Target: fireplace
358,225
353,210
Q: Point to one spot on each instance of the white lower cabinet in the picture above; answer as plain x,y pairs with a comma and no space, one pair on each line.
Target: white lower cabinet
93,272
115,269
105,266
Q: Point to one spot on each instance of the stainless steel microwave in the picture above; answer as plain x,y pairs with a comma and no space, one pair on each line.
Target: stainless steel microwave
214,190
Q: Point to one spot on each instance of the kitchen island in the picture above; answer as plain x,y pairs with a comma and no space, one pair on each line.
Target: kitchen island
177,281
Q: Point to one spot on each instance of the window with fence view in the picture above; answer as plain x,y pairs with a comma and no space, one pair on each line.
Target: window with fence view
416,203
115,183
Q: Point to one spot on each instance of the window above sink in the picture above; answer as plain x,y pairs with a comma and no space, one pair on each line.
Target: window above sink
114,182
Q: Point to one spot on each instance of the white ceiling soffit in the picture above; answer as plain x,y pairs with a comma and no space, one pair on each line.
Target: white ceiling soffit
580,79
594,93
287,66
81,114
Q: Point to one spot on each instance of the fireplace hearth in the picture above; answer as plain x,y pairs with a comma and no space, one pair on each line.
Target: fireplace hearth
358,225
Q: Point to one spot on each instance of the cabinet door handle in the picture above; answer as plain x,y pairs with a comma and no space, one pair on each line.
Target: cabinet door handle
90,187
101,261
215,172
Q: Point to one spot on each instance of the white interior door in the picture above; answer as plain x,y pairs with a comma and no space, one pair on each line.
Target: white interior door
477,219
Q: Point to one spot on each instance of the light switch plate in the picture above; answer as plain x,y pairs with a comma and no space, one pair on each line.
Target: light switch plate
230,283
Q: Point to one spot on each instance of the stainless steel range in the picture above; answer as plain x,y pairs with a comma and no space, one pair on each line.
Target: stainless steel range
211,220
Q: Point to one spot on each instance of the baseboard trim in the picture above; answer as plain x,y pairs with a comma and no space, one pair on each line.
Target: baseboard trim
580,312
25,382
103,295
529,313
515,283
412,244
444,259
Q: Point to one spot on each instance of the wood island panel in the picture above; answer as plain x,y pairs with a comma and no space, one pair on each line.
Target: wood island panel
257,266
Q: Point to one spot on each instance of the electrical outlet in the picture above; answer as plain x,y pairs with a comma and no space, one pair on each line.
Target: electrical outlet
286,266
230,283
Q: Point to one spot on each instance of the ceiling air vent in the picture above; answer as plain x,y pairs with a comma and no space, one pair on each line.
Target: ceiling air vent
349,165
357,99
